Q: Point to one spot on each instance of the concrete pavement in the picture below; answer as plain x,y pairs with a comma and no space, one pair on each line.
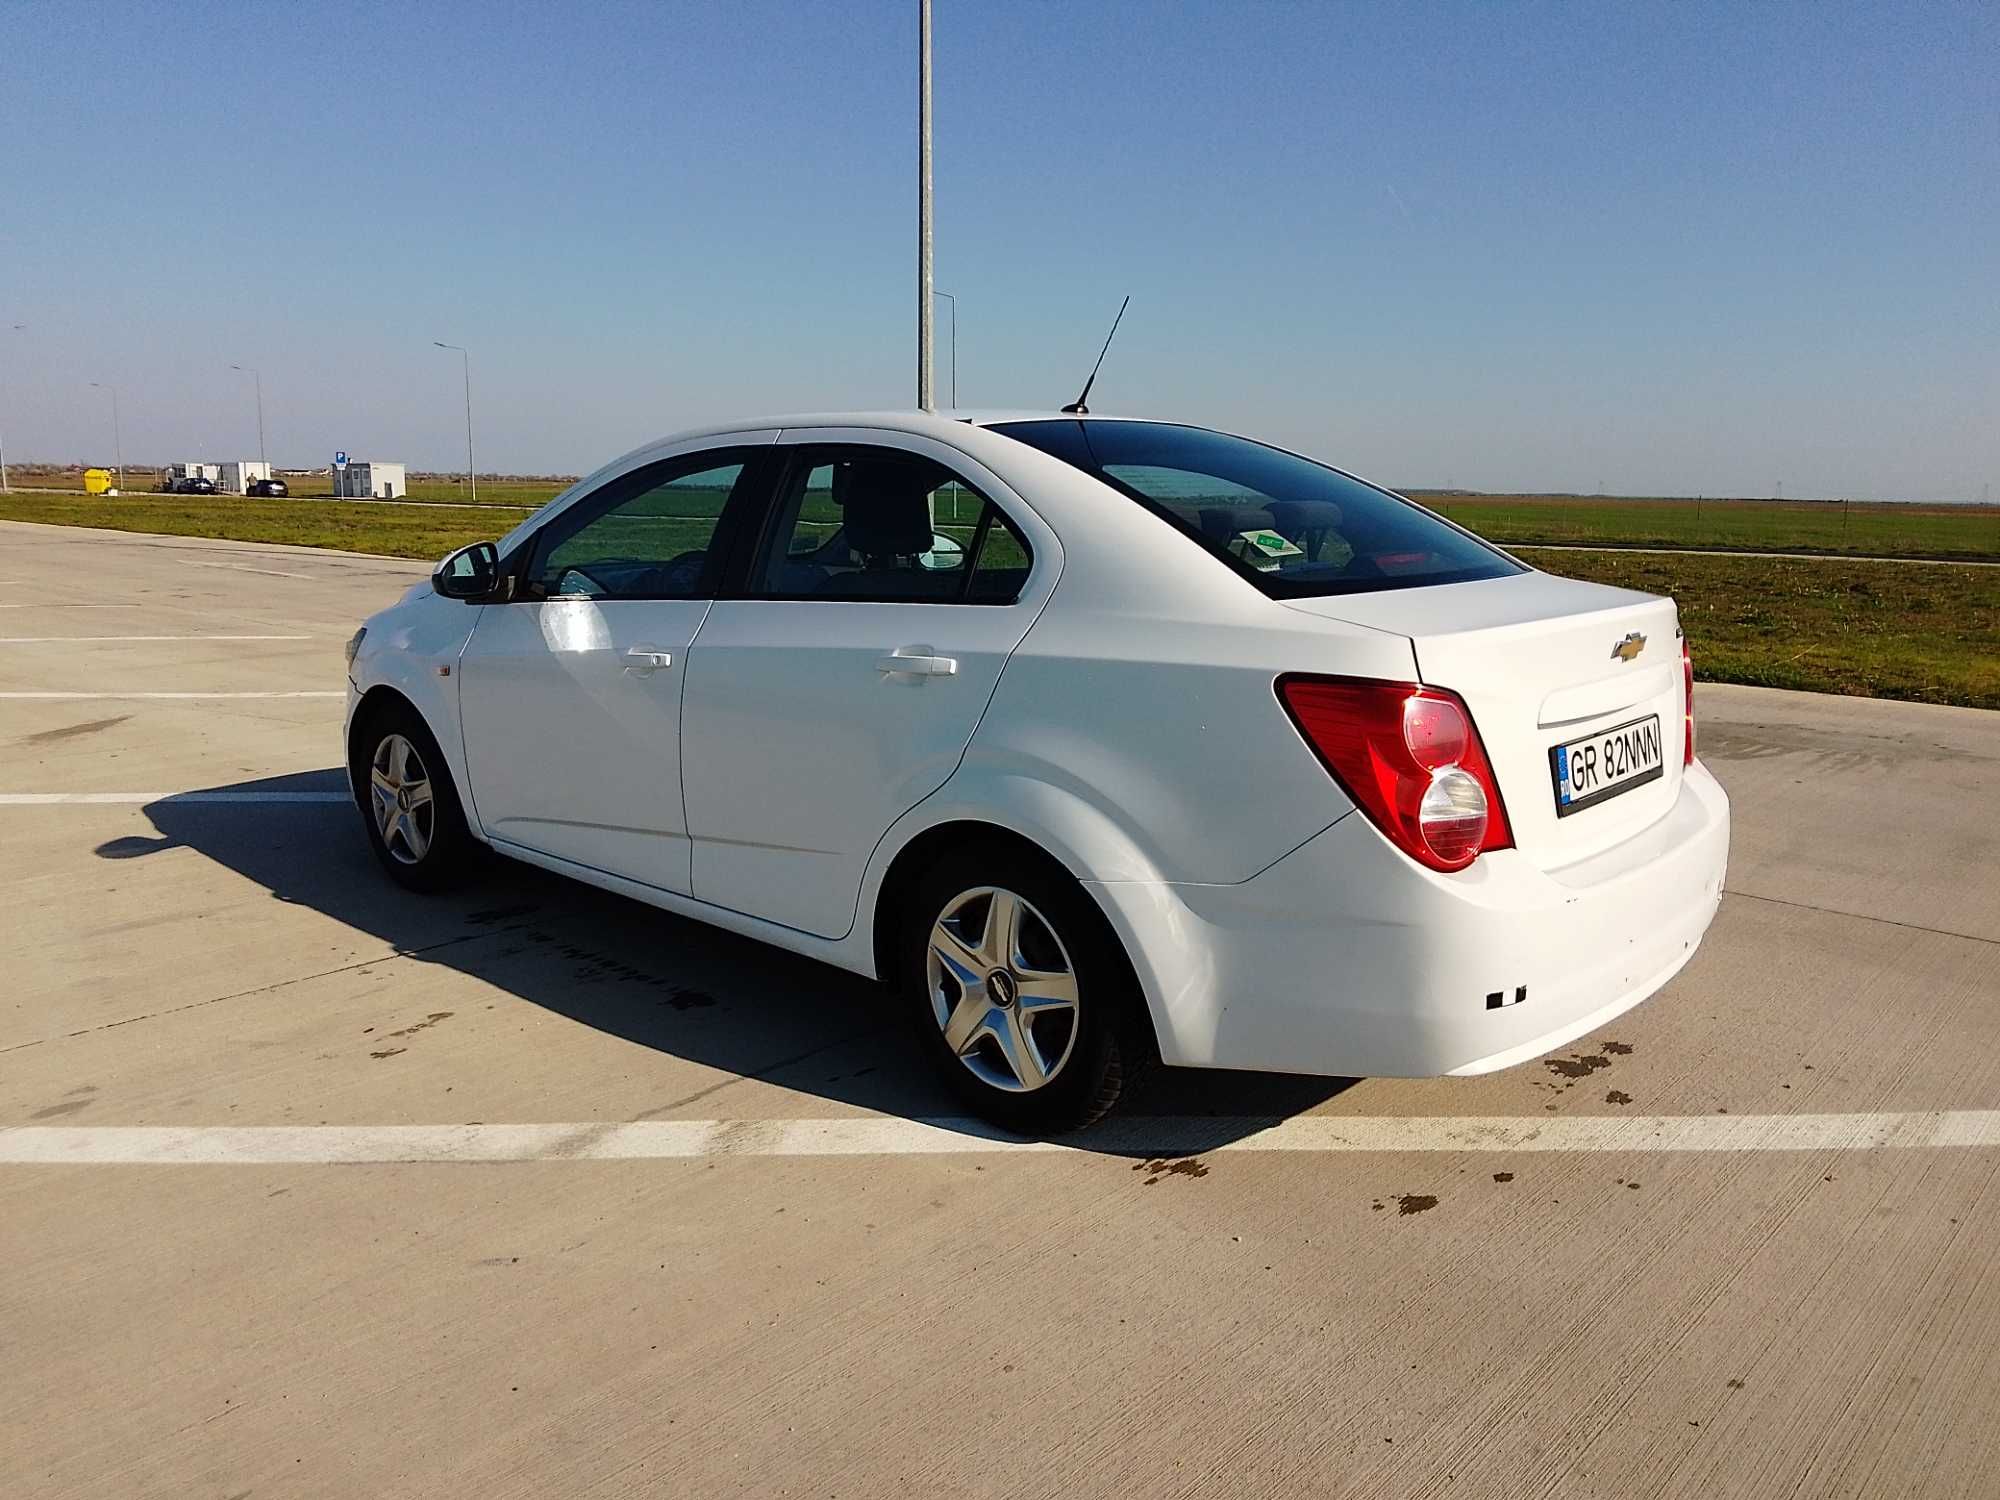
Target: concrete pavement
1737,1317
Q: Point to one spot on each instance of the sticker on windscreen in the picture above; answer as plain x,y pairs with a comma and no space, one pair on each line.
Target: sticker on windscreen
1263,550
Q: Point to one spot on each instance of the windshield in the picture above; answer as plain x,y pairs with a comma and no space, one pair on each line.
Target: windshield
1292,527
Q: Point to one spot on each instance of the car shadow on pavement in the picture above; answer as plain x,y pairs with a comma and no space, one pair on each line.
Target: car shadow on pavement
675,985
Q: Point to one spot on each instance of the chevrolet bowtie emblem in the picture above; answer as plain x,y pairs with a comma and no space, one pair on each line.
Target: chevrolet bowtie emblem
1630,647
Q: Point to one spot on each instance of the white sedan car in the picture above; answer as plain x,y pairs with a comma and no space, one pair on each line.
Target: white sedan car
1104,741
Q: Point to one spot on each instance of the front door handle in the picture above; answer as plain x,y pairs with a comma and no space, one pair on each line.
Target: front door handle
646,659
914,661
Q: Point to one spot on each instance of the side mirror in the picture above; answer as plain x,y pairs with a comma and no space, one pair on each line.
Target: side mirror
471,573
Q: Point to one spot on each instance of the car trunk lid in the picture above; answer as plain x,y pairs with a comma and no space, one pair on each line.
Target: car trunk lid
1543,661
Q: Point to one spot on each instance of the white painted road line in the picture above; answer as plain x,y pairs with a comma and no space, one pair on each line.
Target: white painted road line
72,697
650,1140
129,799
245,568
101,640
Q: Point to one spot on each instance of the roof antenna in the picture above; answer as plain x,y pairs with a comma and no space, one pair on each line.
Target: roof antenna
1077,407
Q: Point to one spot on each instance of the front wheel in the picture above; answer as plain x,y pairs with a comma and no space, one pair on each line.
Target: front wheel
1020,993
408,802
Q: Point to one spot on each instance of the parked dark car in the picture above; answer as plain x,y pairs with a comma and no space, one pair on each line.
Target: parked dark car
268,489
195,484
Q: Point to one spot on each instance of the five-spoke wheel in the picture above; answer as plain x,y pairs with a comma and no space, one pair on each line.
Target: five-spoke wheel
408,802
400,788
1003,989
1021,994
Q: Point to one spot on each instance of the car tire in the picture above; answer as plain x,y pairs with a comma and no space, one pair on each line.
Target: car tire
408,801
1041,1035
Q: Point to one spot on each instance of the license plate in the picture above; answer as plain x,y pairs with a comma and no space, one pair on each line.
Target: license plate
1604,764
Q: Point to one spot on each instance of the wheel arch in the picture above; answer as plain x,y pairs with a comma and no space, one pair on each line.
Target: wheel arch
372,703
923,846
918,855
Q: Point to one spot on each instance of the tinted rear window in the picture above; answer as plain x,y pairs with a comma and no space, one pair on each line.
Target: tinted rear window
1292,527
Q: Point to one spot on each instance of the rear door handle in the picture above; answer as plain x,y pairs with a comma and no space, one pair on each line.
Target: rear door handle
646,659
912,662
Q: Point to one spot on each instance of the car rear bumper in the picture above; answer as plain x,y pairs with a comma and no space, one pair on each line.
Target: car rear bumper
1348,958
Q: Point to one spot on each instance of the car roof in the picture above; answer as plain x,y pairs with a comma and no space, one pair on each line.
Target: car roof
935,422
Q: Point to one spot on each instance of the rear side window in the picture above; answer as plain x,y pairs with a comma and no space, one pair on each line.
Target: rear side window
1293,527
886,526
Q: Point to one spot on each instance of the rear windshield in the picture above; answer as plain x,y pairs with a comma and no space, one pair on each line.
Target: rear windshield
1294,528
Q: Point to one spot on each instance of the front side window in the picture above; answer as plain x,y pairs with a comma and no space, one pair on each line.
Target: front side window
881,524
1294,528
649,534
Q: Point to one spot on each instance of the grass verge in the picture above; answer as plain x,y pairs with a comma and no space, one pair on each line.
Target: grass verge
353,526
1860,529
1922,632
1930,634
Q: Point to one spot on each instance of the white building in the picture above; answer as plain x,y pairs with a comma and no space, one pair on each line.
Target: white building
370,481
174,472
239,474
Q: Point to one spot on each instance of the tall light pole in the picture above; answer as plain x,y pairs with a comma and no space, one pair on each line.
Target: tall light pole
924,205
954,345
11,328
471,473
262,457
117,441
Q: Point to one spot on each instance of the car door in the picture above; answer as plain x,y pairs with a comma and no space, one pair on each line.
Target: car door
891,581
570,695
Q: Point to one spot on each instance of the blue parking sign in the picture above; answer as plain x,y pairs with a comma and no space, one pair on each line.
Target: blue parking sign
340,460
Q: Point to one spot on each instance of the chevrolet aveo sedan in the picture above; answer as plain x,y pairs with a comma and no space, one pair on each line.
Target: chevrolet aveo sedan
1105,742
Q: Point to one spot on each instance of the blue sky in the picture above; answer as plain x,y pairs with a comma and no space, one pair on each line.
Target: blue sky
1671,248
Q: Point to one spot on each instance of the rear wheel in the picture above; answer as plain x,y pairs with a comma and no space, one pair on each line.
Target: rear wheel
408,801
1020,993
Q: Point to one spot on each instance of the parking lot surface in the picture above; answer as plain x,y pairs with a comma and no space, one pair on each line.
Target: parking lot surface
575,1198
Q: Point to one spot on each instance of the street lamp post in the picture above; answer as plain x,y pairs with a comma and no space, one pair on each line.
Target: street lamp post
11,328
954,345
471,472
924,205
117,440
262,457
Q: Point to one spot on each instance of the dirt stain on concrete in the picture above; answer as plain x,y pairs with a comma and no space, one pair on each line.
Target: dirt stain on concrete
67,1107
1160,1166
390,1052
1576,1065
1503,1176
1416,1203
424,1025
500,914
1619,1049
71,731
1617,1096
595,968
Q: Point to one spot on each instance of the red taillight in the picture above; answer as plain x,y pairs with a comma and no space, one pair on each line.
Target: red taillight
1687,682
1410,758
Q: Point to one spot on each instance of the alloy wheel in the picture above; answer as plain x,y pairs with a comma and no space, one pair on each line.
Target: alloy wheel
400,798
1002,989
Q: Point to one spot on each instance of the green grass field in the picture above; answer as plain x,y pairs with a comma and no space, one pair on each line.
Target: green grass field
1860,529
1929,633
144,482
